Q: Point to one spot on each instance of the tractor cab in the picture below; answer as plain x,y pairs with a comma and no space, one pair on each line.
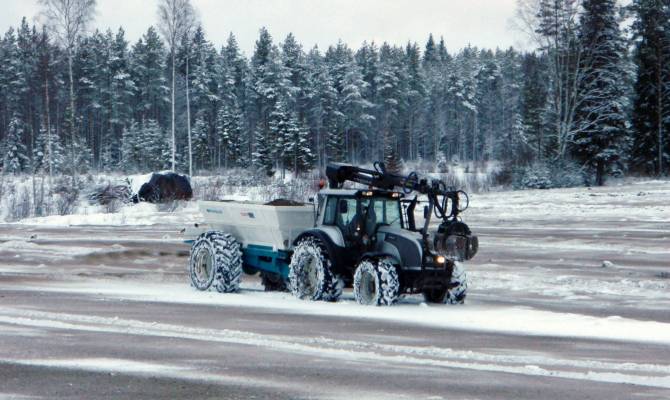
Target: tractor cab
359,214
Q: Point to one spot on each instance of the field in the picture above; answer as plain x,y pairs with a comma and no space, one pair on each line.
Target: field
569,299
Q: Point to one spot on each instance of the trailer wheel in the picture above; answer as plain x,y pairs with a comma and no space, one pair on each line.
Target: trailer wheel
455,295
216,260
376,283
310,272
273,282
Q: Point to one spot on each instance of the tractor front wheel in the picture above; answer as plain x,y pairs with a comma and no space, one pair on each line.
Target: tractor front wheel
376,283
458,291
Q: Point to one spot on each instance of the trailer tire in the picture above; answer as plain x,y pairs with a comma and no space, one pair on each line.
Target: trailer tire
216,261
376,283
310,272
273,282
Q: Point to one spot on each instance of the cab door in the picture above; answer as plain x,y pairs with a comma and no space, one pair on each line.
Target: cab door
344,214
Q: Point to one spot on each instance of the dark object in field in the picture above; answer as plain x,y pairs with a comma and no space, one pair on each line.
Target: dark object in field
283,203
165,187
105,195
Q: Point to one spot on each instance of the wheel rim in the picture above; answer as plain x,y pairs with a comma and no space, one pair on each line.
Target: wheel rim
311,275
203,266
368,288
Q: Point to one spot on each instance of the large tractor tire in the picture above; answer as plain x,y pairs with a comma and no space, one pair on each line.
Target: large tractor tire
216,261
310,272
455,295
376,283
273,282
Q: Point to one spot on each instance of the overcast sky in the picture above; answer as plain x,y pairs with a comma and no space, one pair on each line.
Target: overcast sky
482,23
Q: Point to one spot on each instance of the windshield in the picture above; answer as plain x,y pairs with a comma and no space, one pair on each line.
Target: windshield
383,211
387,211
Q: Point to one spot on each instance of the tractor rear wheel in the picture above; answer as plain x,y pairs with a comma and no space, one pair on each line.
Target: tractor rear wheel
310,272
376,283
215,260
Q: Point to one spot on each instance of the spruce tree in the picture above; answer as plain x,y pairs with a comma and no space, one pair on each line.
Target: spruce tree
533,104
201,148
601,114
262,158
15,155
651,111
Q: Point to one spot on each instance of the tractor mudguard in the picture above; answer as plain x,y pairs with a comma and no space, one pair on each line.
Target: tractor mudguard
335,252
378,255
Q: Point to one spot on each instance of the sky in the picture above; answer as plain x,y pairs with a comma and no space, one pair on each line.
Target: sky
482,23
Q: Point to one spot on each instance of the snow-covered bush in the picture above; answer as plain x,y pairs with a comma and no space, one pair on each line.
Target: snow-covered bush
558,174
568,174
535,176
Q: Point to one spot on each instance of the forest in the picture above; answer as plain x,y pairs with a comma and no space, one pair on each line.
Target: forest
591,101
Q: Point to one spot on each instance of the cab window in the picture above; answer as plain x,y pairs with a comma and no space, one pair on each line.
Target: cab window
334,206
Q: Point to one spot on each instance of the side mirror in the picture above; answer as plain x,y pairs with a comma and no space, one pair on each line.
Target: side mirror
426,212
311,199
343,207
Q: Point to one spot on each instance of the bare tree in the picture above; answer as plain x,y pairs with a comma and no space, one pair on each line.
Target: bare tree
176,17
552,26
66,20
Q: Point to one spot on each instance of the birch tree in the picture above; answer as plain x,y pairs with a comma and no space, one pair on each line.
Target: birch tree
552,26
66,20
176,18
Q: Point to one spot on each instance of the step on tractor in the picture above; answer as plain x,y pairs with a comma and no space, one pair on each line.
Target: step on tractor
365,238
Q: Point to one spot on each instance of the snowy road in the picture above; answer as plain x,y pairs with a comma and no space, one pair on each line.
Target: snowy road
105,312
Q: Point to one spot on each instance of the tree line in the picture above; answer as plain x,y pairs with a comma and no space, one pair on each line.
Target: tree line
593,95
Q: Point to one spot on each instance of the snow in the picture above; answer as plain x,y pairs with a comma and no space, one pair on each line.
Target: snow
135,214
382,354
105,364
549,287
508,320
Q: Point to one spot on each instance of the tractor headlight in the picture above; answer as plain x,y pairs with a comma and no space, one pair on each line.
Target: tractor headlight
440,260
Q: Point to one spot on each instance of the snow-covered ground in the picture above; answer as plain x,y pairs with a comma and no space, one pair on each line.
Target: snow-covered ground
569,298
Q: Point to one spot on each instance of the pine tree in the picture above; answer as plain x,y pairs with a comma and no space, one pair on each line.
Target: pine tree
601,114
291,147
355,109
414,98
121,97
229,136
148,72
651,114
321,107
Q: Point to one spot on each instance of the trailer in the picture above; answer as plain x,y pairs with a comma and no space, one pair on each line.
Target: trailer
366,239
265,234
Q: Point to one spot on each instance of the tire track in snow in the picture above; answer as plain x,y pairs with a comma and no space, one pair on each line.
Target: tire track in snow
651,375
